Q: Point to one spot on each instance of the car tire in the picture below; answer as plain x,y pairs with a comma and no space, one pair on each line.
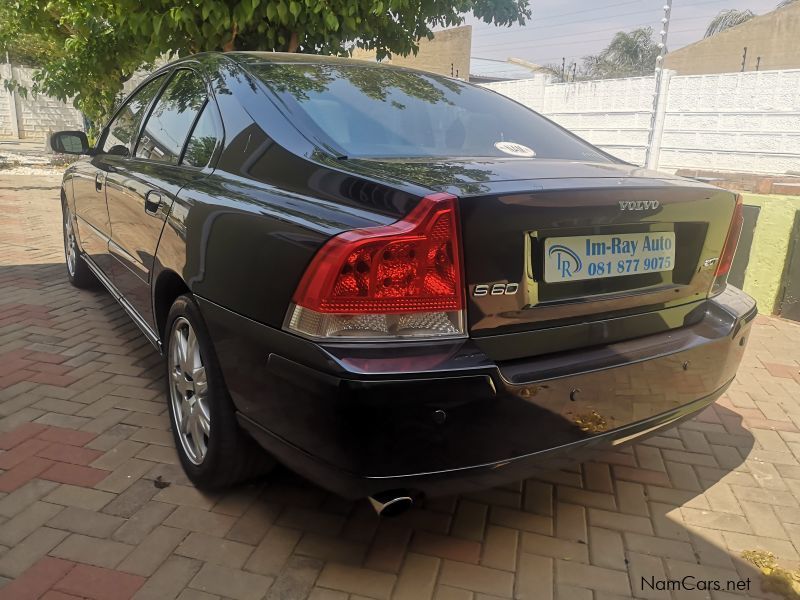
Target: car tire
78,271
214,450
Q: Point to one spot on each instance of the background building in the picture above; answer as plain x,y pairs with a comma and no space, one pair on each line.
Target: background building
772,41
446,54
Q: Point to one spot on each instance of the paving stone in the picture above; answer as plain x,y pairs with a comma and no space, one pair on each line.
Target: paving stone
374,584
517,519
37,579
235,503
389,547
417,578
86,522
26,522
656,546
79,497
218,551
470,520
156,453
535,578
132,499
17,559
554,547
92,551
739,542
646,572
608,580
202,521
23,472
500,548
122,452
124,476
24,496
96,582
216,579
186,496
477,578
296,580
716,520
606,548
274,550
192,594
311,520
446,547
331,548
571,522
152,551
620,522
142,522
251,527
538,498
73,474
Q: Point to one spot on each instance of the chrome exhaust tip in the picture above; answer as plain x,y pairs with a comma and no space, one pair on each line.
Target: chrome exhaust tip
391,503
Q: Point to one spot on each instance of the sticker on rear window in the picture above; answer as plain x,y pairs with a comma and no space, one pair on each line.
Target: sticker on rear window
514,149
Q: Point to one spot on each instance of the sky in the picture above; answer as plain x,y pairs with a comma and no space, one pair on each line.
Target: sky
575,28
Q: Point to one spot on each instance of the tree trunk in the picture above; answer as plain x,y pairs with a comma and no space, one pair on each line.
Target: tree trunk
230,44
294,43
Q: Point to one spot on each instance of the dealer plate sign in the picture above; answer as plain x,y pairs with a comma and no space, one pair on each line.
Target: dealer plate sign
576,258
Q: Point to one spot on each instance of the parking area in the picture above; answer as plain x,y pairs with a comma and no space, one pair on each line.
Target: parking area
93,503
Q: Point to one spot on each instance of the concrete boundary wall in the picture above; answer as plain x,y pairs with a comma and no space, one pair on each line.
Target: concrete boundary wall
738,122
32,116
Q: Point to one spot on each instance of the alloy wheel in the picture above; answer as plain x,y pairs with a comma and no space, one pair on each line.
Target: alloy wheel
70,244
189,391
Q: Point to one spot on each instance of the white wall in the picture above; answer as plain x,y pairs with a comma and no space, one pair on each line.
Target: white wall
35,115
747,122
5,103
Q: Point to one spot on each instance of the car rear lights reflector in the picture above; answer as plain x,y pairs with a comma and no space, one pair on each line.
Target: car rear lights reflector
729,249
402,280
732,240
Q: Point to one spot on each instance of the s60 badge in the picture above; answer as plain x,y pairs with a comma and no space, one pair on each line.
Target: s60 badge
495,289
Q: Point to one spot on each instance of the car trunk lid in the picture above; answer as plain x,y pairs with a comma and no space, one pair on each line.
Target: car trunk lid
516,213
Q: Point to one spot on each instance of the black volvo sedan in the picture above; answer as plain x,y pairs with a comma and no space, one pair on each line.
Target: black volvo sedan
396,282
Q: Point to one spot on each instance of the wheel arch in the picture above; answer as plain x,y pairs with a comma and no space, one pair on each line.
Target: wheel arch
167,287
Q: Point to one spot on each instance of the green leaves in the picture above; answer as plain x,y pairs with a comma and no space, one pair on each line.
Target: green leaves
86,49
331,21
283,12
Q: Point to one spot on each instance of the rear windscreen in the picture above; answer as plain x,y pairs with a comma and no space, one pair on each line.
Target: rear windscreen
370,111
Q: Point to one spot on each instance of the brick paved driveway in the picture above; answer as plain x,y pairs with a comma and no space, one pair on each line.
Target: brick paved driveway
93,504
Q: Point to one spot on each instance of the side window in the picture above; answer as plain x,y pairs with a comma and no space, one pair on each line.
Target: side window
122,131
167,127
204,138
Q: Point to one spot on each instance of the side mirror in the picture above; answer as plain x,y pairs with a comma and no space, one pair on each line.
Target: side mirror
70,142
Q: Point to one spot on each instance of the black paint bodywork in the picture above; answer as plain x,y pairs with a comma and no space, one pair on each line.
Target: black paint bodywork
550,373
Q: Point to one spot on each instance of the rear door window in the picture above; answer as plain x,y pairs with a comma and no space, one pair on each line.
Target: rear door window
125,126
172,117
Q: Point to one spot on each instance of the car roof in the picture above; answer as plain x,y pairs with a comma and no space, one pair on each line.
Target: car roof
250,58
297,58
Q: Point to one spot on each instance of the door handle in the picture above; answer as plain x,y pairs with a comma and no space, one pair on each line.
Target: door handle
152,200
98,182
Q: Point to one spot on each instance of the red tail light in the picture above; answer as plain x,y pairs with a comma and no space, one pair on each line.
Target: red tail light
732,241
362,282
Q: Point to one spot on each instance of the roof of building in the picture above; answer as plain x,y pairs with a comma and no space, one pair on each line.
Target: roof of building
490,69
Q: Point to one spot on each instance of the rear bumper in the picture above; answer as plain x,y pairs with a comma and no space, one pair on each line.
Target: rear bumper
444,418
